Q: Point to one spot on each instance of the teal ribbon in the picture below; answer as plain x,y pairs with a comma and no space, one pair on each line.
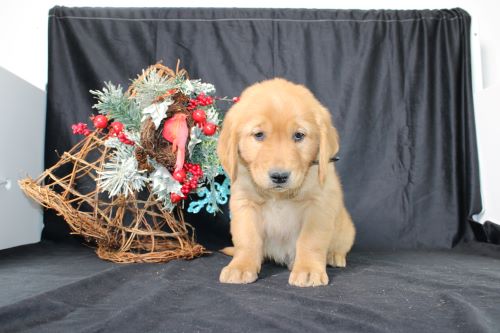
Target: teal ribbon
210,199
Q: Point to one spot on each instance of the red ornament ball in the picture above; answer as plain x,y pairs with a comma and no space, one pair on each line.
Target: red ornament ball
209,129
236,99
100,121
174,197
179,175
116,127
199,116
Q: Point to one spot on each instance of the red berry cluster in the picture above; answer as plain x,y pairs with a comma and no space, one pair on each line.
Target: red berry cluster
192,104
116,129
80,128
204,100
200,100
188,183
123,138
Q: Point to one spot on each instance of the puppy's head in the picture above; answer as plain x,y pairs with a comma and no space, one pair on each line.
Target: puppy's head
277,130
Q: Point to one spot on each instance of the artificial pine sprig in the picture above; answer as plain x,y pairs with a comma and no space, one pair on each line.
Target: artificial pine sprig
151,87
113,103
120,174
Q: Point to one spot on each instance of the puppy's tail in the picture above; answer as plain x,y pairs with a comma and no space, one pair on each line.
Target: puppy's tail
228,251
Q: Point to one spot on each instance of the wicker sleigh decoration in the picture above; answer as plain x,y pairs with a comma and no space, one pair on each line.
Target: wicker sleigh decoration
125,228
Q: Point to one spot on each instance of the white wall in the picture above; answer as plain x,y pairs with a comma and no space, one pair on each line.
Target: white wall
23,36
23,111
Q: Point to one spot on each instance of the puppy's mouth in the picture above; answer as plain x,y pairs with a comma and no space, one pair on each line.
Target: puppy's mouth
279,188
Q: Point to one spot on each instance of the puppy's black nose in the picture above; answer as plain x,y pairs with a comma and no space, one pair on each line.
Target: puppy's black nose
279,176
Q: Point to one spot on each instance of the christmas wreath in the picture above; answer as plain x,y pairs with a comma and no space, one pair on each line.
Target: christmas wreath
152,147
164,133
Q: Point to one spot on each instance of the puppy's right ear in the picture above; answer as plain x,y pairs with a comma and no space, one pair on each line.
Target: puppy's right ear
328,144
227,147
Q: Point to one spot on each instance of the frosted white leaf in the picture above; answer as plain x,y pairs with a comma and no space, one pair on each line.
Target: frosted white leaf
157,111
162,184
187,87
212,115
162,180
196,86
206,88
194,139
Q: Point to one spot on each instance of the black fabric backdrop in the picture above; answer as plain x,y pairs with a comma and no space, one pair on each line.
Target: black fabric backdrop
398,84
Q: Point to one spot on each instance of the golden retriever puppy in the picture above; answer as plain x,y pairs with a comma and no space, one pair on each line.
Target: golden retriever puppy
276,145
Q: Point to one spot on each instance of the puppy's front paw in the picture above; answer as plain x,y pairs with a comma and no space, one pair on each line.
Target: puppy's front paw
308,278
237,274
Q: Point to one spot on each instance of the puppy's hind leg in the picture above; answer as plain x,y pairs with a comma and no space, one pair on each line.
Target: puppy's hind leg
336,259
228,251
342,240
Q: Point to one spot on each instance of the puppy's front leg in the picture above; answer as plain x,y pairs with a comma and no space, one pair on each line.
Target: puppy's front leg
247,240
309,268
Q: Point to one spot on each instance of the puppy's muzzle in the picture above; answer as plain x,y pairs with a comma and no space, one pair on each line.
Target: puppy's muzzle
279,177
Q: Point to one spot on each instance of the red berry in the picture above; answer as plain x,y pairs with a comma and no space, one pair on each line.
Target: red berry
80,128
196,170
179,175
174,197
199,116
100,121
192,104
209,129
185,189
236,99
116,127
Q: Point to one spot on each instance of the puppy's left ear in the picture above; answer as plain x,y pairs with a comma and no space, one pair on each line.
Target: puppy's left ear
328,142
227,147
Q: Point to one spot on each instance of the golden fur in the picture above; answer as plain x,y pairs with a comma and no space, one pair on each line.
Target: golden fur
302,223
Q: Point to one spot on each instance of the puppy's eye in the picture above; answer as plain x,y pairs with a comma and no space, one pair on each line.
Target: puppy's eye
298,136
259,136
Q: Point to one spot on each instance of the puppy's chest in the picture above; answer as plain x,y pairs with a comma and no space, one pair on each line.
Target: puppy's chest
282,221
